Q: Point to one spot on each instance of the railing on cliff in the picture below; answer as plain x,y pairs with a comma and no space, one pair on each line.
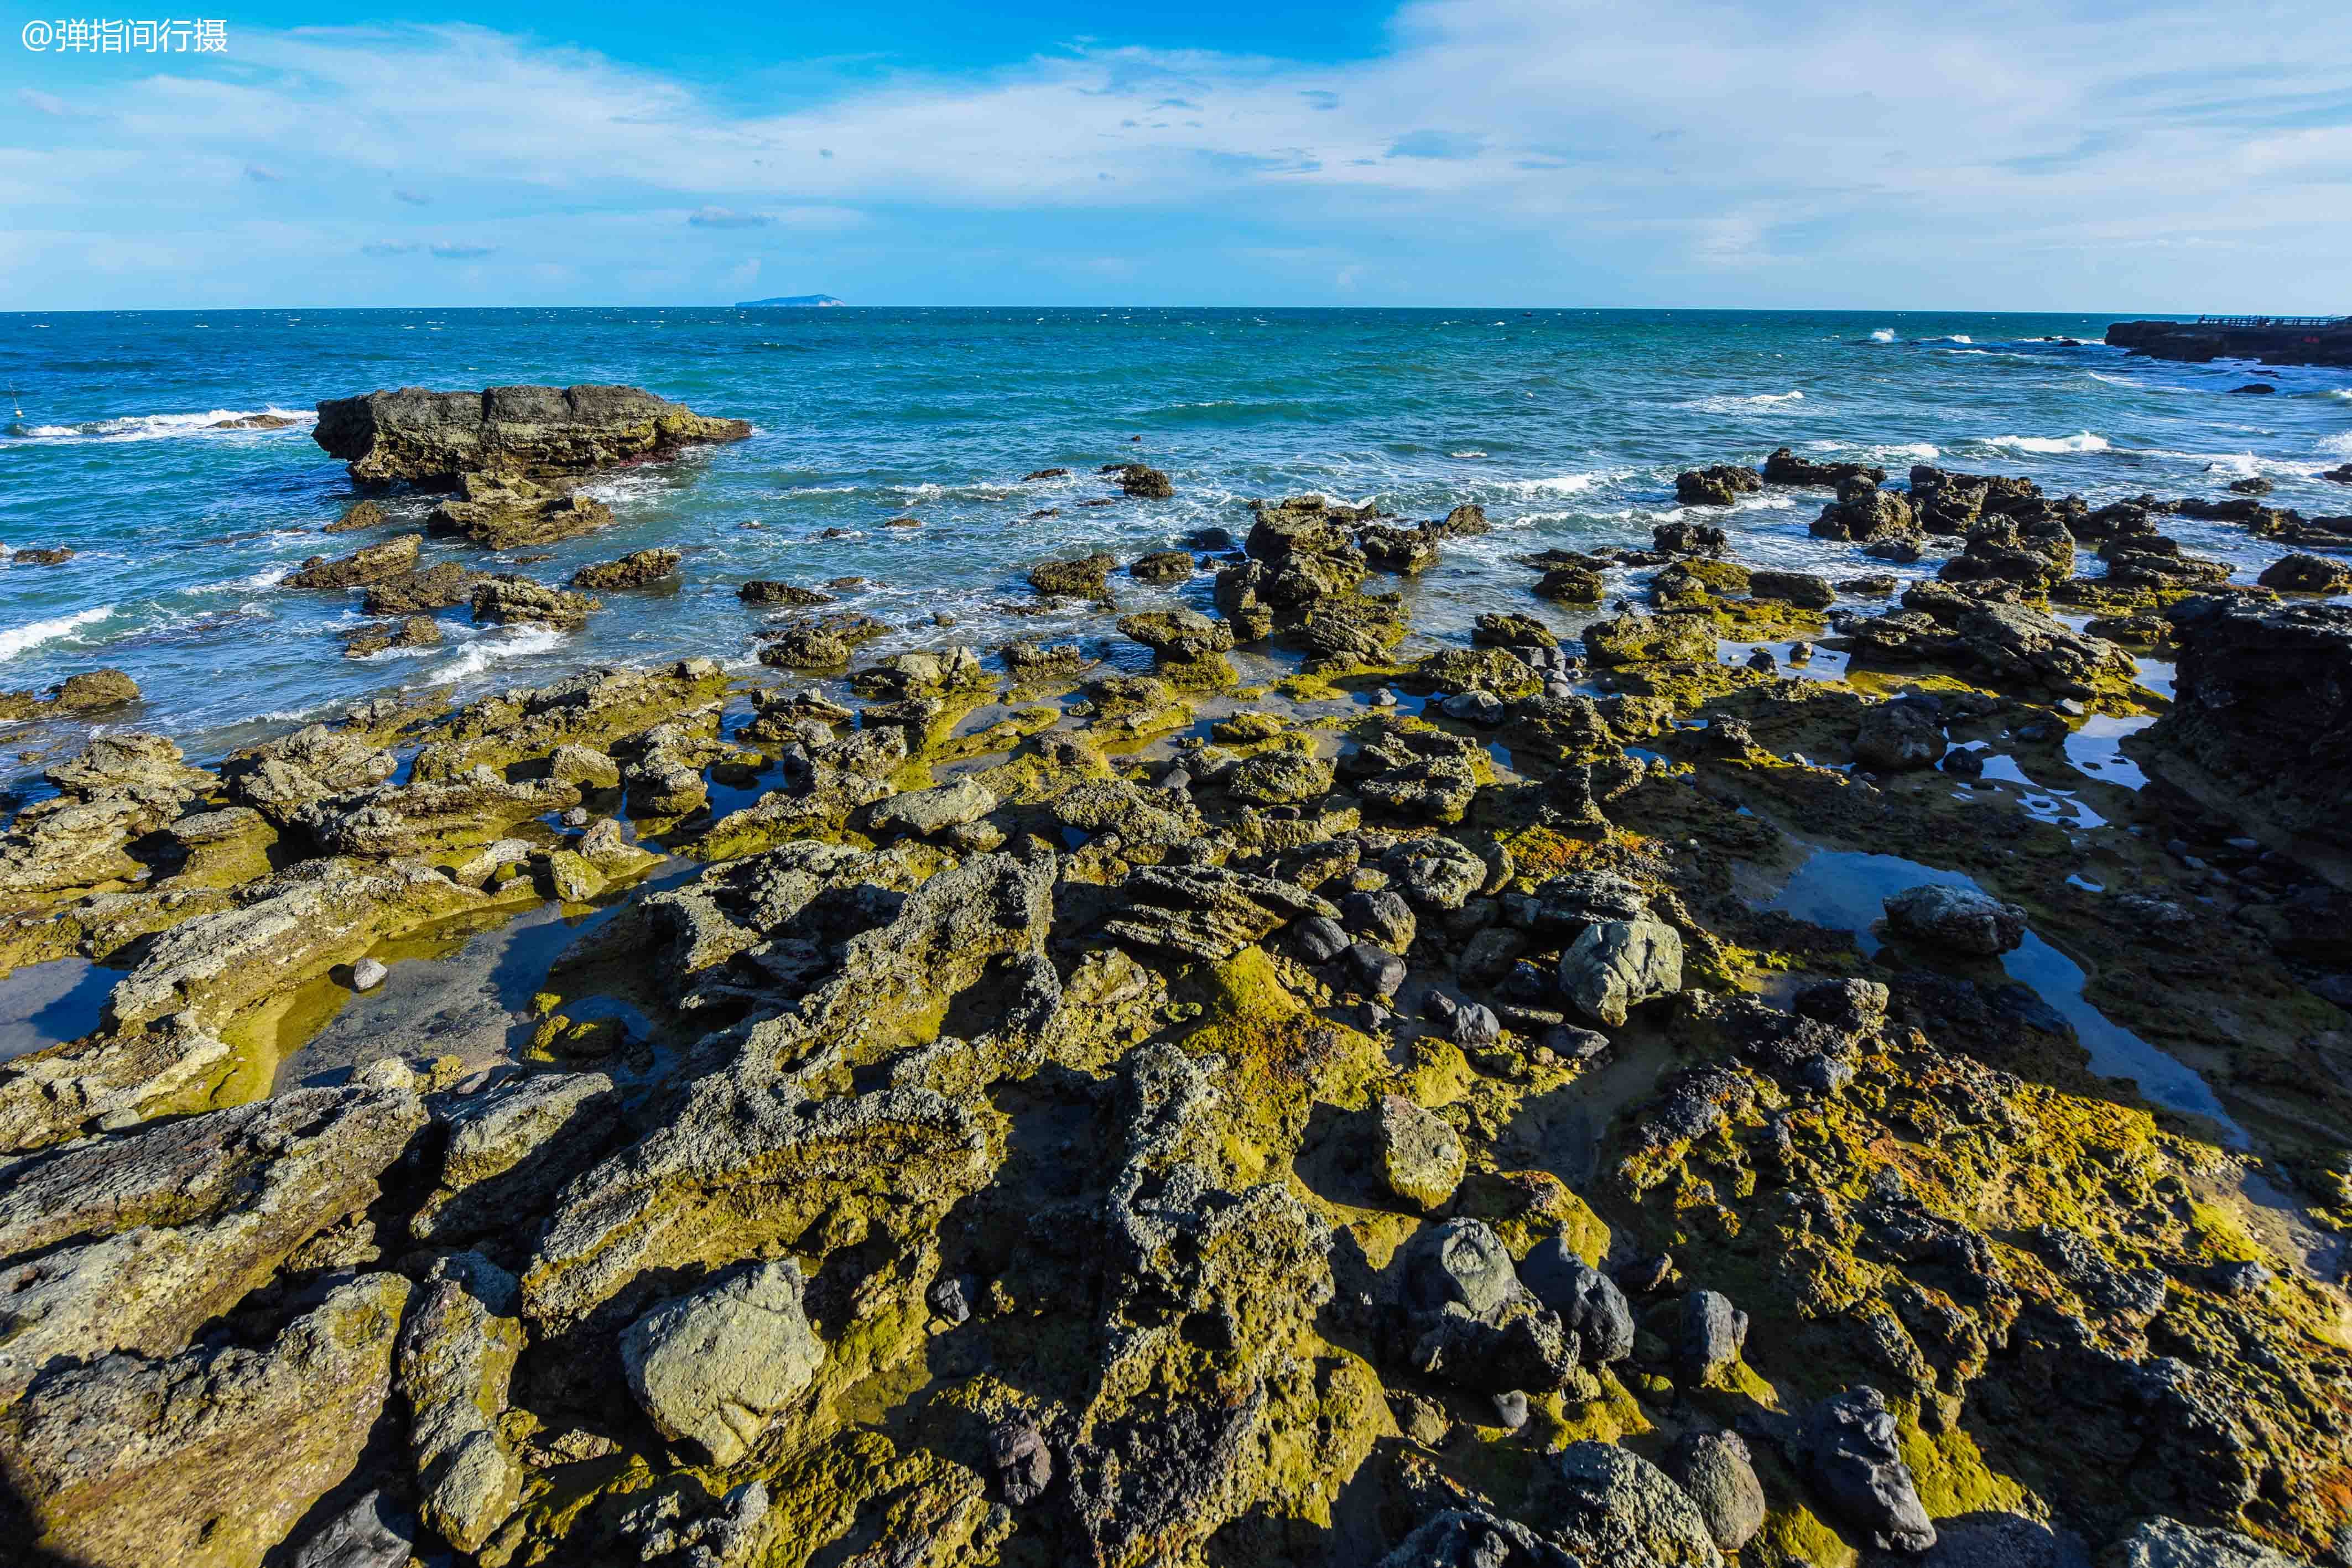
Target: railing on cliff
2274,321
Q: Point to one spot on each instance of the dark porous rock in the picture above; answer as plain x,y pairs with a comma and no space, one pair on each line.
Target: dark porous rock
2261,718
1471,1538
1085,578
1785,468
2036,555
430,439
1373,969
1141,480
1571,585
1963,920
1024,1463
2155,561
1190,913
1318,939
1714,486
379,636
1804,589
819,643
507,599
765,592
1863,513
2300,573
1649,639
1162,566
1178,636
1382,917
1994,635
1436,871
357,516
1848,1452
1511,630
57,555
1712,1335
94,690
1715,1468
1030,663
2169,1543
394,557
1696,539
441,586
1588,1300
502,512
1480,1328
376,1532
639,569
1899,735
1617,1509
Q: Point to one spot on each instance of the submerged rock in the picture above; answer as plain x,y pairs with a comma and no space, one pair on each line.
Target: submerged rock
640,568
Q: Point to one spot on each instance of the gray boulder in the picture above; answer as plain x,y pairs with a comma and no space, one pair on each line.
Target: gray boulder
1463,1262
1619,1510
716,1365
1383,917
1898,737
2168,1543
1712,1334
1716,1469
1437,871
1471,1538
1587,1300
1848,1452
1964,920
373,1532
926,811
1617,965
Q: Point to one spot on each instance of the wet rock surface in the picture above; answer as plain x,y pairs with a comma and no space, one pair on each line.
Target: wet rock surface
1591,1096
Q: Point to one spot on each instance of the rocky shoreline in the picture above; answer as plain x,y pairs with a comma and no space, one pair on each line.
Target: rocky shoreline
1781,1075
2196,343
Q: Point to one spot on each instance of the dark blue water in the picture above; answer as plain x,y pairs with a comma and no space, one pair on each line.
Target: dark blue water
1566,425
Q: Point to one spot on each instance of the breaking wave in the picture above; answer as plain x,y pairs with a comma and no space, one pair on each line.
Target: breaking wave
2085,441
157,426
23,639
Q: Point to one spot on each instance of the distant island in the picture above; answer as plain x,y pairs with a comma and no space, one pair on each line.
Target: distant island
815,300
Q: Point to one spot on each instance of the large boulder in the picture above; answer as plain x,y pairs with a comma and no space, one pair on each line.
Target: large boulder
714,1366
2168,1543
1648,640
1964,920
1714,1468
428,439
2261,723
1899,737
205,1460
1617,965
1588,1300
1848,1450
1619,1511
1420,1155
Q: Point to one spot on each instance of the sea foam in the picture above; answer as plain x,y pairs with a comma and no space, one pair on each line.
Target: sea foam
22,639
2085,442
158,427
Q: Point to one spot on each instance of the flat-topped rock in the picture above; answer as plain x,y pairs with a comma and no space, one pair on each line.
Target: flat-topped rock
431,438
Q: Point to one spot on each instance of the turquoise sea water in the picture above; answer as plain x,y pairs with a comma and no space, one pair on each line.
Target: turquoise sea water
1568,427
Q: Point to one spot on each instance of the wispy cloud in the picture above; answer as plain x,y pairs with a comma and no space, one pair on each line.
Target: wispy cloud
47,103
414,198
1691,150
262,174
389,247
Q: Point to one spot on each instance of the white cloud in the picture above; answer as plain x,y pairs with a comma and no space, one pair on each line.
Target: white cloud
1883,152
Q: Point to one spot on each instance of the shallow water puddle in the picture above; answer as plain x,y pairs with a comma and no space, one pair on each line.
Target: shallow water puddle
2096,749
2058,807
1847,890
43,1005
1823,665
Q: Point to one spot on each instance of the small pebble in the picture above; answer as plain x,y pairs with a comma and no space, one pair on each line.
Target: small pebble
367,975
1511,1410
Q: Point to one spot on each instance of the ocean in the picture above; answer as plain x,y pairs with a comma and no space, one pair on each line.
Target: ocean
1566,425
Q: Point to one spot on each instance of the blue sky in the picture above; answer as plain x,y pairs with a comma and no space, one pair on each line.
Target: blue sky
1684,152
